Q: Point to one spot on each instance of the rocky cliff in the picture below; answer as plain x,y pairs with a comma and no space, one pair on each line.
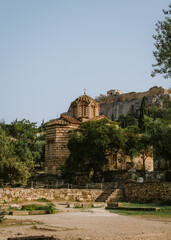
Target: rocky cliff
116,102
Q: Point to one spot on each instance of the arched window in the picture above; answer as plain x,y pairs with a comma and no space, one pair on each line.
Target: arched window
93,111
75,111
83,109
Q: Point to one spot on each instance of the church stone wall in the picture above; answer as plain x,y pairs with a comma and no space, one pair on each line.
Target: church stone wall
56,150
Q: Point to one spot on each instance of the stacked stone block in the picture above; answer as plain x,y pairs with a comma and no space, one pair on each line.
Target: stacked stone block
148,192
56,150
21,194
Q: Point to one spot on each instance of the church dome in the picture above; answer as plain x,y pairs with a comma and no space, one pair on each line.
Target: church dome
84,108
83,98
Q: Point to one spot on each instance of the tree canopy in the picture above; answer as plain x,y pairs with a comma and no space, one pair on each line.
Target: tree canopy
12,168
21,150
162,53
95,142
90,146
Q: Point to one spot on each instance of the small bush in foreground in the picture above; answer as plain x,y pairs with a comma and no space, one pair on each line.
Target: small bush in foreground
49,208
42,200
2,215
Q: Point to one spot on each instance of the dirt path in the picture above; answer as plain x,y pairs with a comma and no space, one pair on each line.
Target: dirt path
93,224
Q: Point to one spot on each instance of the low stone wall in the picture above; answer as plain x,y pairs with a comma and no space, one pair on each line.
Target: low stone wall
21,194
148,192
83,195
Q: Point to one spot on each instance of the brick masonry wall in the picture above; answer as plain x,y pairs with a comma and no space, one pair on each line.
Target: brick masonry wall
21,194
148,192
55,159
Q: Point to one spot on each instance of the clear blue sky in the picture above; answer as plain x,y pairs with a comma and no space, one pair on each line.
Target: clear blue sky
50,50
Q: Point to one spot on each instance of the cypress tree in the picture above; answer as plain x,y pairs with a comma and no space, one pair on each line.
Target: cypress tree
141,121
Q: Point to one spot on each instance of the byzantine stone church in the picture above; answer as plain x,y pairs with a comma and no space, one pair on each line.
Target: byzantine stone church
83,109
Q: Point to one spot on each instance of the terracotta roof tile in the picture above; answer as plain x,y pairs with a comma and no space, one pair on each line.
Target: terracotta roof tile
57,122
71,119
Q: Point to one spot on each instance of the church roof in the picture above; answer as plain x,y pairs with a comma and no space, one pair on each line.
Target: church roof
63,120
85,98
57,121
71,119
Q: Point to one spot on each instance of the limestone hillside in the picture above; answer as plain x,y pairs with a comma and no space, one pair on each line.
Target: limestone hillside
115,102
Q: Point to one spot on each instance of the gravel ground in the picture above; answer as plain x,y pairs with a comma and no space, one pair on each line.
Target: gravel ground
91,224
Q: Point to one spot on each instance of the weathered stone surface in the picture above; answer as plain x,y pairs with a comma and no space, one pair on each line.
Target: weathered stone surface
117,195
86,195
114,106
113,205
140,179
148,192
18,213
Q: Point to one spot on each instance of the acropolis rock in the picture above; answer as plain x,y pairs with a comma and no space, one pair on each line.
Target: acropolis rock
116,103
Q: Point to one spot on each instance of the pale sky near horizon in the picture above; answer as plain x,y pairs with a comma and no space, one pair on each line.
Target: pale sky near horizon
50,50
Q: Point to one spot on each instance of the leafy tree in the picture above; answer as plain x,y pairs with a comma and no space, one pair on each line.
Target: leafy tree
162,53
94,144
12,169
131,145
117,141
141,123
145,148
130,119
38,151
161,139
90,146
165,111
154,113
28,143
123,120
23,130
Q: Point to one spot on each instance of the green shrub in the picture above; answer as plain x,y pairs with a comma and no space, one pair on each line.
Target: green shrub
49,208
32,207
42,200
13,209
2,215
